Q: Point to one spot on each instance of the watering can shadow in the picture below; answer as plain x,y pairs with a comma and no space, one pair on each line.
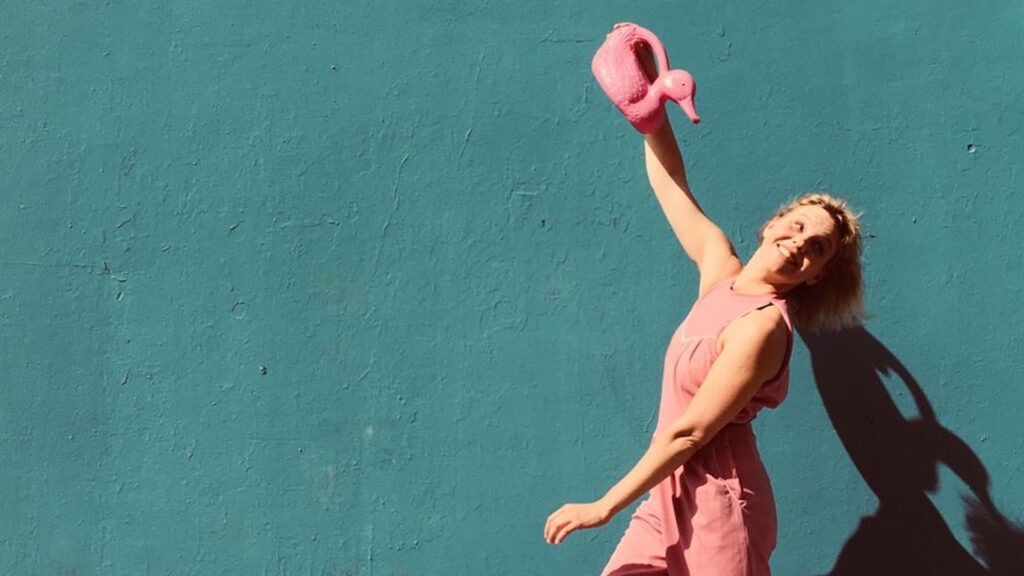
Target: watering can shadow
622,78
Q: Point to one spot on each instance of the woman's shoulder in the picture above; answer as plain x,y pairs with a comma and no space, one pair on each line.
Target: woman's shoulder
764,328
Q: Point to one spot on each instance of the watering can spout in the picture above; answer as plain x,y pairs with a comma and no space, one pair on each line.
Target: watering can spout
690,111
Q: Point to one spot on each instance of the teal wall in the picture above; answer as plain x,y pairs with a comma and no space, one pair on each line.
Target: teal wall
306,288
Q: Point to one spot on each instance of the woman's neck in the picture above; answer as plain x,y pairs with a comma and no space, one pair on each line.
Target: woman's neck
752,281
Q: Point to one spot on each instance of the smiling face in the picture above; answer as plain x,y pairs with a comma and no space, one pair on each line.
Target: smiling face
796,247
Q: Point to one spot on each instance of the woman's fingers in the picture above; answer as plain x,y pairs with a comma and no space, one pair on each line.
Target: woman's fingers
549,527
556,521
567,529
561,523
558,530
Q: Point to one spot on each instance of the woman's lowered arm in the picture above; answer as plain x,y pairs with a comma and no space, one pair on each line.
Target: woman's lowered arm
754,349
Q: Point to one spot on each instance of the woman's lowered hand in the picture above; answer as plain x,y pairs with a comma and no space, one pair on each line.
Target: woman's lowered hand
572,517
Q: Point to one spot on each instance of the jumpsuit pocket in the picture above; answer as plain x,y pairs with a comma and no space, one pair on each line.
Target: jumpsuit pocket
724,473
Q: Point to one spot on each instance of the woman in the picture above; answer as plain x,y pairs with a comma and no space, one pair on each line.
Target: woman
711,510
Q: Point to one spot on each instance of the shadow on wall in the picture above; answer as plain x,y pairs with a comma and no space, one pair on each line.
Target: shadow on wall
899,458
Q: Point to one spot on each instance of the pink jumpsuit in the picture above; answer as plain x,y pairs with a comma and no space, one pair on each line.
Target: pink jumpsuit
715,515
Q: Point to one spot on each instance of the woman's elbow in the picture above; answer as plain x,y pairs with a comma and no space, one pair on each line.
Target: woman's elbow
686,442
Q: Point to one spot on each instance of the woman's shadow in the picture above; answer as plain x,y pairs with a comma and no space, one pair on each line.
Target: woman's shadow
899,458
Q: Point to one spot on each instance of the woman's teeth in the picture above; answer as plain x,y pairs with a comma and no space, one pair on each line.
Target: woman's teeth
787,255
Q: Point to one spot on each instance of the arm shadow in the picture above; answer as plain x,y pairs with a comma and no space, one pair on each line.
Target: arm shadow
898,457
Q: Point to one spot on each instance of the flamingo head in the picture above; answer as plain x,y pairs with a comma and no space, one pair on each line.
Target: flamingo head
679,85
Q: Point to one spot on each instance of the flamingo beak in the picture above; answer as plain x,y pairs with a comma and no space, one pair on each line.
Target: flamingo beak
687,105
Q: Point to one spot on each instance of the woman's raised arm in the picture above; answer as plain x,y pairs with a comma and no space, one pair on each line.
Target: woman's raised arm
703,241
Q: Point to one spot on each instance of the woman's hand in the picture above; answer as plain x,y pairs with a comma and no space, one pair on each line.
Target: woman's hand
572,517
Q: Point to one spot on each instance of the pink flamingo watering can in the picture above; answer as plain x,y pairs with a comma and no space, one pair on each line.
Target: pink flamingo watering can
620,74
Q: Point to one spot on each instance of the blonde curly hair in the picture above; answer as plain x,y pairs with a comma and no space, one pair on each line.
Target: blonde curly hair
837,300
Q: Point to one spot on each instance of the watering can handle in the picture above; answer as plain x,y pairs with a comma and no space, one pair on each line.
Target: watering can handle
652,41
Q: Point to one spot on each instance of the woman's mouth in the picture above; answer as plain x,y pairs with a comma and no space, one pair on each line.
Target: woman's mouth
789,256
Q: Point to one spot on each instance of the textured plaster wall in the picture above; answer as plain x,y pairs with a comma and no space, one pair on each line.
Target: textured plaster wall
308,288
